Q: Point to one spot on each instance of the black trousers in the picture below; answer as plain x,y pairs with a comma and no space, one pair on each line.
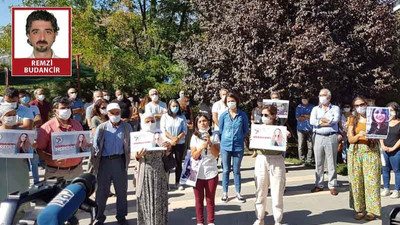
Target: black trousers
178,151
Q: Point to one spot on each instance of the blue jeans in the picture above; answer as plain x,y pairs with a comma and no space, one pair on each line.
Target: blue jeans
226,163
34,166
392,163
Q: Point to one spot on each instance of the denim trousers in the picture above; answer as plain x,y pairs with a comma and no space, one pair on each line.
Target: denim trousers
227,157
392,163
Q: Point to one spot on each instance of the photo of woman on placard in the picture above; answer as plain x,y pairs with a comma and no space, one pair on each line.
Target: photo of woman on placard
380,121
277,138
82,144
23,144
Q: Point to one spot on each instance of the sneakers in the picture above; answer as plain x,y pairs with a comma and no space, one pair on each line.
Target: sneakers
211,224
224,197
181,188
385,192
258,222
240,198
395,194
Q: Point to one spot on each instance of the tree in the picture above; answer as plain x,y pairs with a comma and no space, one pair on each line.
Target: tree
253,47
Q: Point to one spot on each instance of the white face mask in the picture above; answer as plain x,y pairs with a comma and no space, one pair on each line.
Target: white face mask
73,96
149,127
323,100
265,119
107,97
223,97
41,97
98,98
130,99
120,97
115,119
12,104
346,110
10,120
304,101
154,98
231,105
393,113
103,111
259,104
361,110
64,114
204,131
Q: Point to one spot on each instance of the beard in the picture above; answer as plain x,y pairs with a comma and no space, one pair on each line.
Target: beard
41,48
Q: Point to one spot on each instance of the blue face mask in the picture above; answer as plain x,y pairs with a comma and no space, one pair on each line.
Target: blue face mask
182,95
25,99
174,110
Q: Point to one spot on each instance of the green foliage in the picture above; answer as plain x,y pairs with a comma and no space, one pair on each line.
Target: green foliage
342,169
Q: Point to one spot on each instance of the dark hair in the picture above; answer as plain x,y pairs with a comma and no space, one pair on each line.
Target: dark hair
11,92
273,111
234,96
373,112
356,114
169,107
97,106
396,108
61,100
24,92
41,15
196,128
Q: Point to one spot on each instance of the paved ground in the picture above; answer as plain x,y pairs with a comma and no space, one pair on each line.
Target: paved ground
300,206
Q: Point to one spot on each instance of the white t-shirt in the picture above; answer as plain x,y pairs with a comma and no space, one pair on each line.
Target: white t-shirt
208,168
161,108
218,107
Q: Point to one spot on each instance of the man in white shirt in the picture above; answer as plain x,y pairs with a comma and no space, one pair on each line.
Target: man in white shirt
156,107
218,108
89,110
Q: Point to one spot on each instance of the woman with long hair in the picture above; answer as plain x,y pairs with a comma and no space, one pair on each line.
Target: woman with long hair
99,114
23,144
380,121
81,144
364,165
277,138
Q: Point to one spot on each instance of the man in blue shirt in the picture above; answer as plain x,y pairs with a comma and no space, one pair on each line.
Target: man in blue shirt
77,105
304,129
324,118
110,161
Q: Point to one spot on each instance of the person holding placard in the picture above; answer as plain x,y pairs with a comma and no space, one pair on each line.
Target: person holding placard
269,170
152,183
62,122
391,146
14,172
233,128
379,123
173,125
110,160
204,144
363,162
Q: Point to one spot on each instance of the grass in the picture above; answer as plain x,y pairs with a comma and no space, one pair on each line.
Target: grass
293,161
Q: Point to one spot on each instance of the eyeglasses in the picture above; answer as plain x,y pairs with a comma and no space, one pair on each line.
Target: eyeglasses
267,115
359,105
103,108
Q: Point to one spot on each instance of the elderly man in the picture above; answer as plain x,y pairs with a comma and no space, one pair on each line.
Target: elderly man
324,118
76,105
89,110
42,104
156,107
110,162
218,108
66,168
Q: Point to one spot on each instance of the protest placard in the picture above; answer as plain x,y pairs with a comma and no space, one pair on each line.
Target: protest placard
16,143
281,105
72,144
268,137
377,122
190,170
146,140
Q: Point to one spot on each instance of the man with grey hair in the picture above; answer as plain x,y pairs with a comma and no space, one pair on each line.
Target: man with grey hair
156,107
218,108
89,110
324,118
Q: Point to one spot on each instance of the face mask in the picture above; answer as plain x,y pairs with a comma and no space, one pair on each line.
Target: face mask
73,96
361,110
231,105
204,131
130,99
98,98
182,95
10,120
25,100
148,127
12,104
64,114
346,109
265,119
115,119
154,98
107,97
259,104
187,103
223,97
304,101
120,97
393,113
41,97
103,111
174,110
323,100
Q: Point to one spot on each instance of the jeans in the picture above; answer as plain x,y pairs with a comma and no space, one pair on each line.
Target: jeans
34,166
226,162
392,163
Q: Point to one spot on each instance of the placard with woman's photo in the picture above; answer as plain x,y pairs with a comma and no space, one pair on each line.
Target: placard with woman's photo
377,122
72,144
16,143
268,137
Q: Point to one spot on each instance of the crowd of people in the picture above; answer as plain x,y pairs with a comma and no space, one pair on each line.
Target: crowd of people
217,132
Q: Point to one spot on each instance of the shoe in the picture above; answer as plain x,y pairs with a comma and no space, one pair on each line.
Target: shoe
200,224
359,216
240,198
211,224
317,189
395,194
181,188
333,191
224,197
254,154
370,217
385,192
258,222
98,223
278,223
123,222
